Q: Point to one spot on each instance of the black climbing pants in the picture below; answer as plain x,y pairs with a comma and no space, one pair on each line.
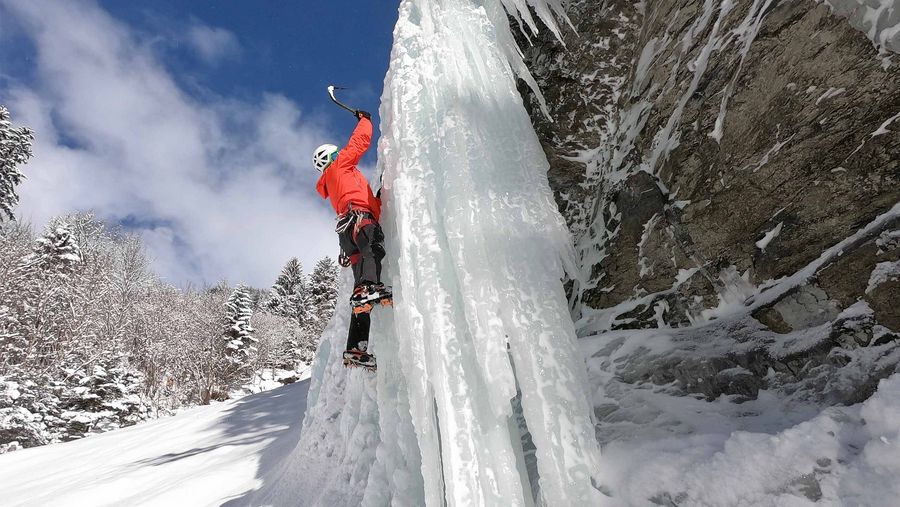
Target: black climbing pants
365,248
362,243
358,334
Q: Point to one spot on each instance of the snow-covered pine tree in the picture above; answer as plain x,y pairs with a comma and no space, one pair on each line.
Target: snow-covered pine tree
15,149
323,291
57,247
102,397
290,297
259,298
240,342
56,307
94,237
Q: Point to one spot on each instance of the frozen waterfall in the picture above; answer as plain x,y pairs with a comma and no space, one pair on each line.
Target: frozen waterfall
481,397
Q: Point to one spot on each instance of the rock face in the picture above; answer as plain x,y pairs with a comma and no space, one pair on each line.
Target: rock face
730,171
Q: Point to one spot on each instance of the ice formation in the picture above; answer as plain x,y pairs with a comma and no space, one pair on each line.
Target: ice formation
481,397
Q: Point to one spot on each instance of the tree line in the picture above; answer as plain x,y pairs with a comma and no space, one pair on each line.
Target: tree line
91,339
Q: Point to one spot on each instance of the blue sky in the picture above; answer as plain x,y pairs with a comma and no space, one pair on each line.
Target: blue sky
292,47
191,123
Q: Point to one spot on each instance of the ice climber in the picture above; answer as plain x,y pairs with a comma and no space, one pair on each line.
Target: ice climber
359,234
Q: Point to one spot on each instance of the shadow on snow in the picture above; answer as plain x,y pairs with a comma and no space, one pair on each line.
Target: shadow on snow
275,415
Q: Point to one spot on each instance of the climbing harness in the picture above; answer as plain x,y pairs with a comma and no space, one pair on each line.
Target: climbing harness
355,219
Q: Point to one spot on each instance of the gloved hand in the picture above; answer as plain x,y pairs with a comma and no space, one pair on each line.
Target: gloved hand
360,114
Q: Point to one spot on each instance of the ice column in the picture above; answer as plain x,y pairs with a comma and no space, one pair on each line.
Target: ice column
477,250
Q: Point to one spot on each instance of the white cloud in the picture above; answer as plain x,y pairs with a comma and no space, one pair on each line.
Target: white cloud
212,44
219,189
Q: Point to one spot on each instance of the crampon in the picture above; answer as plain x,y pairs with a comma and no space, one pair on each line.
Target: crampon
365,297
358,359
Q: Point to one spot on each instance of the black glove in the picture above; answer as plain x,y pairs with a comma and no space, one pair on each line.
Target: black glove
360,114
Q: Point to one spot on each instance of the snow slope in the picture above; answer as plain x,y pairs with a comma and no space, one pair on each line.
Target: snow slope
203,456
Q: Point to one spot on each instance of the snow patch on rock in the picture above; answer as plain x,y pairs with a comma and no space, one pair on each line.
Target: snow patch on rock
769,236
883,272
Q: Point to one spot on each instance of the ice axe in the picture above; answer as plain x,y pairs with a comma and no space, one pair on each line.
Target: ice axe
331,89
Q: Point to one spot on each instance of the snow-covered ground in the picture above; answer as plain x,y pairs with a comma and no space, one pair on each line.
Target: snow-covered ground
249,452
208,455
672,449
843,456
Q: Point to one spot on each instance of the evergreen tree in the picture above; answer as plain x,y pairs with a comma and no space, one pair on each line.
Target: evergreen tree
259,298
323,291
15,149
57,247
290,296
240,342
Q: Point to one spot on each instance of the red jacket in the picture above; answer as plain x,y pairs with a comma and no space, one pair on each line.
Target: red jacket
343,183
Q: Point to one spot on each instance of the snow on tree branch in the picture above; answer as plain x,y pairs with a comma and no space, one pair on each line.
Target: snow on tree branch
15,150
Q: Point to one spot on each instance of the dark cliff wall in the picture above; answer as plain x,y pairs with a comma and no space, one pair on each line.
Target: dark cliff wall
731,159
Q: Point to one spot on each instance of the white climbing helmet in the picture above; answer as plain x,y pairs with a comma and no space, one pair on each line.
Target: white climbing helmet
324,155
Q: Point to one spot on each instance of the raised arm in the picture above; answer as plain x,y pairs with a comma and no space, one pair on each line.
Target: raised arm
359,141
